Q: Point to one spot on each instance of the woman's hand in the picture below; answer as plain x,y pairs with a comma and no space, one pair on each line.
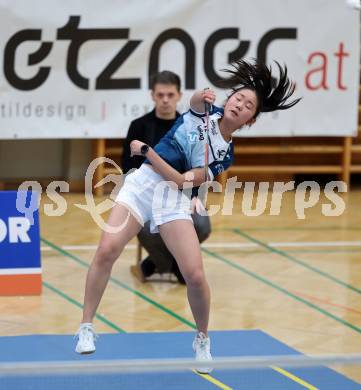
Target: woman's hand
208,96
135,147
197,206
200,97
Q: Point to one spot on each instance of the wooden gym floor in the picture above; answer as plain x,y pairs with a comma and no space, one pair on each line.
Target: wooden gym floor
299,280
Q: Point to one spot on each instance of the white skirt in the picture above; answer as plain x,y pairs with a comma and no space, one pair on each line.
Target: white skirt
150,198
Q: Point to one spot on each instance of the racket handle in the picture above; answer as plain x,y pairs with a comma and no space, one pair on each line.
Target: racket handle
207,107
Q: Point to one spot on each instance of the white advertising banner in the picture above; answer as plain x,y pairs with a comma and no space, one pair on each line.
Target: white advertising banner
80,69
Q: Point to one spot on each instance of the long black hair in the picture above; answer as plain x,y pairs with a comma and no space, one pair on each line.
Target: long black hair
272,93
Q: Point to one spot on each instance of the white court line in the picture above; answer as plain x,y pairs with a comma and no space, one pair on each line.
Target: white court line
316,244
229,245
133,246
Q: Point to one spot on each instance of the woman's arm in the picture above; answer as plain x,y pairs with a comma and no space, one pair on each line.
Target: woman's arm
200,97
195,175
126,162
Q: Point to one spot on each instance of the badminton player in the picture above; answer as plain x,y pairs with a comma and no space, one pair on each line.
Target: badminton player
179,158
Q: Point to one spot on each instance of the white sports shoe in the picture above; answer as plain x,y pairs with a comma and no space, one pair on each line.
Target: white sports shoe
86,338
202,348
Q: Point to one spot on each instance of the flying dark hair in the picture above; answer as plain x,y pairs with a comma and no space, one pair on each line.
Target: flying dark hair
272,93
165,77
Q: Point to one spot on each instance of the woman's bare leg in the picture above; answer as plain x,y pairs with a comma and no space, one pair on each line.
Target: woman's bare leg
182,241
109,249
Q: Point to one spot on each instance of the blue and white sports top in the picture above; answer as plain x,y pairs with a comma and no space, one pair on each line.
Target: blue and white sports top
183,147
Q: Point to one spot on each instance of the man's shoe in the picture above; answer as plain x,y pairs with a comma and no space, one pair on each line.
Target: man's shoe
136,270
86,339
202,348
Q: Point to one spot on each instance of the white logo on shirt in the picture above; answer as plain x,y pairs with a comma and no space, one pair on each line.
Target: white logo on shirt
192,137
219,168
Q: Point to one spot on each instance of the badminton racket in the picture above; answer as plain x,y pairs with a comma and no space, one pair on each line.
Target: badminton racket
207,108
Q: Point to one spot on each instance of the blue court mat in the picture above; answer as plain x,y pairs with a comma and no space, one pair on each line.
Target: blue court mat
157,346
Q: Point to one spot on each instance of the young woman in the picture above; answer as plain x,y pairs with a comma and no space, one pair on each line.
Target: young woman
179,158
